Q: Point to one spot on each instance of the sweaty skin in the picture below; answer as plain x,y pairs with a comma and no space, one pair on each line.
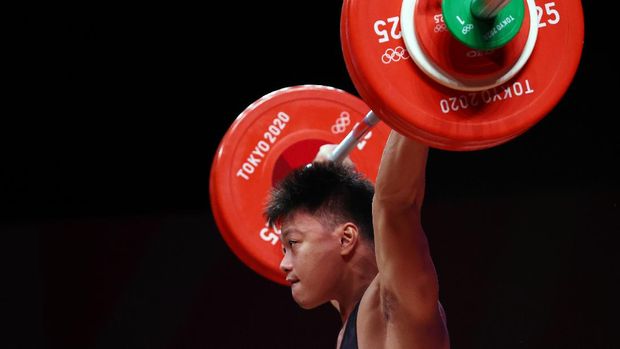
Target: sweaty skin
395,281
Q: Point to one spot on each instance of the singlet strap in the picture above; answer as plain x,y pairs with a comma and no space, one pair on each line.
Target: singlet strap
349,339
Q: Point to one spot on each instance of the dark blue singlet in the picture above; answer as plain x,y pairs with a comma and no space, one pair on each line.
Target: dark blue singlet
349,339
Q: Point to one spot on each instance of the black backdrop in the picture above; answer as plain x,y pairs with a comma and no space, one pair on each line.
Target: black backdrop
111,124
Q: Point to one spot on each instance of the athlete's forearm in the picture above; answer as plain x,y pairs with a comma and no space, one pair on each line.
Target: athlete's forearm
401,176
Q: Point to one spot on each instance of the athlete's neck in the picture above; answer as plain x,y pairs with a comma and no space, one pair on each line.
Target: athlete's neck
361,270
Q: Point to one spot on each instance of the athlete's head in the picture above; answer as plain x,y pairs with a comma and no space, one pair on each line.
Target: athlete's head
325,214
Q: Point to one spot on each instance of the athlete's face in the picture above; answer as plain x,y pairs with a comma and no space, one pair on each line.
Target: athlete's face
312,260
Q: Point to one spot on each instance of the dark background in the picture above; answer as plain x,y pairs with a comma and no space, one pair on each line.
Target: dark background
111,121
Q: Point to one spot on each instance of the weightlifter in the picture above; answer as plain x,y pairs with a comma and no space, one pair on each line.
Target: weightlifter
363,249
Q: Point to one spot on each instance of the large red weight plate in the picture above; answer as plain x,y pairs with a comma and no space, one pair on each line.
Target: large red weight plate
280,131
415,105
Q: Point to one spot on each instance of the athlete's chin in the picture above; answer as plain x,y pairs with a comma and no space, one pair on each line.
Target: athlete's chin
303,299
307,306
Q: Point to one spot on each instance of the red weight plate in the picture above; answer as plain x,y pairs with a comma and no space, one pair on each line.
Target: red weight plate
281,131
381,108
415,105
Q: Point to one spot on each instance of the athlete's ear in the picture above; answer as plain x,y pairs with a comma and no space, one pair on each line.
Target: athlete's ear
348,238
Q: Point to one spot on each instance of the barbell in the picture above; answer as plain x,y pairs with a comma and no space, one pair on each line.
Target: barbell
454,74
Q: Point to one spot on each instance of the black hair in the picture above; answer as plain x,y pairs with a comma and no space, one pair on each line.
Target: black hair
333,191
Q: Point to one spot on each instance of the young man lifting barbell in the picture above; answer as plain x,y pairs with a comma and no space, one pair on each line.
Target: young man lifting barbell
363,249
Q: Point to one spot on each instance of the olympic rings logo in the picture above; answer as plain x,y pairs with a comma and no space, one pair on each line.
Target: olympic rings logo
341,123
441,27
467,28
394,55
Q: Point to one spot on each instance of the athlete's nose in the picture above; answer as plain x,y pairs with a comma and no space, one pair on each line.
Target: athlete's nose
286,265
